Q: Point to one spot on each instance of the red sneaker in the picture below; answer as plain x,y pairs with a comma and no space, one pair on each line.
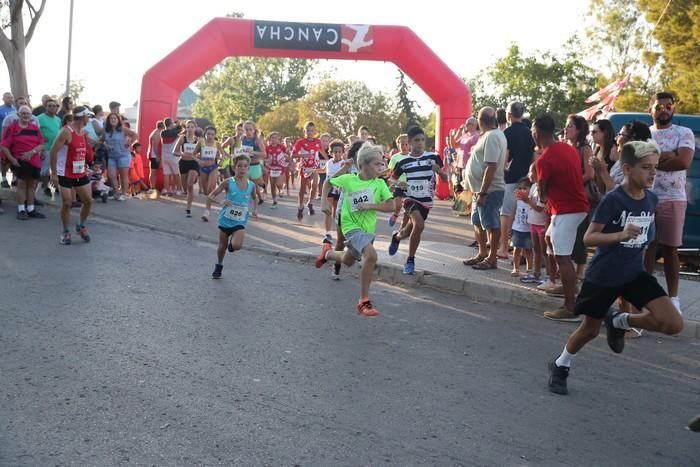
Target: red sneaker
321,258
365,308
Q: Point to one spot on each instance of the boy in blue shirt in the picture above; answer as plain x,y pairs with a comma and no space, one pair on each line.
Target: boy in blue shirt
622,225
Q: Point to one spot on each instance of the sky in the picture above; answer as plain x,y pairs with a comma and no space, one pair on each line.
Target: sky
114,43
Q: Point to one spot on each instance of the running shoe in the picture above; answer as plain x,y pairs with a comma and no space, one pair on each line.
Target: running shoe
22,215
300,214
365,308
392,220
36,215
83,232
334,275
261,201
311,209
321,258
217,271
188,213
615,336
65,238
562,314
47,192
205,216
557,378
274,202
410,267
328,239
122,198
529,279
104,197
394,245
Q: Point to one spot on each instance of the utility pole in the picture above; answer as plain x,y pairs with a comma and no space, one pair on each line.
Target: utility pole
70,46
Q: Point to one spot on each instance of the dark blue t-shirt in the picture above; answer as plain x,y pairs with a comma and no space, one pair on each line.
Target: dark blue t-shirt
615,265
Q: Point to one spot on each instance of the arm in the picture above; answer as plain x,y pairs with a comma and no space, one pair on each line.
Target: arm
680,159
602,176
220,154
588,172
386,206
221,187
594,236
178,145
261,154
98,129
523,196
325,204
489,174
57,144
8,154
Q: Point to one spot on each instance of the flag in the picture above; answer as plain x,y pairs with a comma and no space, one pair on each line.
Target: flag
612,88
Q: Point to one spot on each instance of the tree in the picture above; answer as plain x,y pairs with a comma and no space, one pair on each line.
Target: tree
405,105
622,41
481,97
243,88
284,119
341,107
678,32
13,16
543,82
75,89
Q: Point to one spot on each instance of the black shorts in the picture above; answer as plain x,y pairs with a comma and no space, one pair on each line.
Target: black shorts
68,182
155,164
411,205
231,230
580,253
595,300
27,171
186,166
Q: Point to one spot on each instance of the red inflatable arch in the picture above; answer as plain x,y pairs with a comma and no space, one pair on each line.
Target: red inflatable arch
226,37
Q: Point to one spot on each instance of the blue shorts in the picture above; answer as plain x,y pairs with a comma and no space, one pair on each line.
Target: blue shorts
488,217
521,239
120,162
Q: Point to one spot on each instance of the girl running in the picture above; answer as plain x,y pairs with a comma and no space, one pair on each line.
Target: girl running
209,151
307,150
277,165
240,196
254,147
189,167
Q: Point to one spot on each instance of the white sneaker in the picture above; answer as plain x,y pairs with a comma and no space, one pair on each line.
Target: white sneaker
121,198
335,275
205,216
677,303
180,193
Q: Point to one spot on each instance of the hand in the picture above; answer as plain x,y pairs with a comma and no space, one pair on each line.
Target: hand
365,207
402,185
522,195
435,167
54,179
348,163
631,231
14,161
227,203
27,155
481,200
596,163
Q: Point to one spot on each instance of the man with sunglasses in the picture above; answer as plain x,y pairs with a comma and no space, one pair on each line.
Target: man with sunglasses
677,146
50,125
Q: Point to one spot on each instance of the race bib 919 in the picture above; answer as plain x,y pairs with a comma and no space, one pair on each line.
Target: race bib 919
418,189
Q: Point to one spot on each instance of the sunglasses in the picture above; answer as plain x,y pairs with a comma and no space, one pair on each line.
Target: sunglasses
658,107
625,135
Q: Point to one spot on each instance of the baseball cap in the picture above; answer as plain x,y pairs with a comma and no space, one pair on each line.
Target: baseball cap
114,104
82,111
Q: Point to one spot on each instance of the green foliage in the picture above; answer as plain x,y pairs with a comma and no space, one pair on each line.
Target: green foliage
341,107
284,118
543,82
405,105
245,88
678,32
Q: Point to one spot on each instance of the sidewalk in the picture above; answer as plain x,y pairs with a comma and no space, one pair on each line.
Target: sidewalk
438,260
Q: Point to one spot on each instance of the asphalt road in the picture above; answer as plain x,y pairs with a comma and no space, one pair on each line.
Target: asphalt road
124,351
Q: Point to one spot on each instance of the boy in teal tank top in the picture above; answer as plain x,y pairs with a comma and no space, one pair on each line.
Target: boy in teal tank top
241,196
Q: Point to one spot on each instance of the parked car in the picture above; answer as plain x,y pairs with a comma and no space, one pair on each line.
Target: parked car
691,231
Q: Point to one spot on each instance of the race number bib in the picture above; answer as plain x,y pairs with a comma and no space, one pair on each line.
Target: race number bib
643,222
78,167
418,189
236,213
358,198
189,147
275,173
208,153
243,150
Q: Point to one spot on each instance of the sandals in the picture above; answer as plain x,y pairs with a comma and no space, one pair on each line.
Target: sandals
484,265
472,261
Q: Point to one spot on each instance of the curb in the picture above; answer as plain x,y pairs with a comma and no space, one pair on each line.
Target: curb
473,290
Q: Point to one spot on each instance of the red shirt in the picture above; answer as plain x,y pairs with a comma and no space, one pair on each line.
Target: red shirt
20,140
72,159
136,168
560,167
276,156
308,149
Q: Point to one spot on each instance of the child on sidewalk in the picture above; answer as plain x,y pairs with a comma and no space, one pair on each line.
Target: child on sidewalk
622,226
404,150
240,196
520,231
337,149
537,218
363,195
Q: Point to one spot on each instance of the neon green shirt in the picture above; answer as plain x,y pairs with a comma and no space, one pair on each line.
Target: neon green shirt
355,192
395,159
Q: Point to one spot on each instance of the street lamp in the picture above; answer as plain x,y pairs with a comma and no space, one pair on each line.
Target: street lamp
70,46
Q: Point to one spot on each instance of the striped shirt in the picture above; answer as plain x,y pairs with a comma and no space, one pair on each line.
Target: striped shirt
419,176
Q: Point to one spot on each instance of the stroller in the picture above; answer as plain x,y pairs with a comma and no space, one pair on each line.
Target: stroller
97,183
